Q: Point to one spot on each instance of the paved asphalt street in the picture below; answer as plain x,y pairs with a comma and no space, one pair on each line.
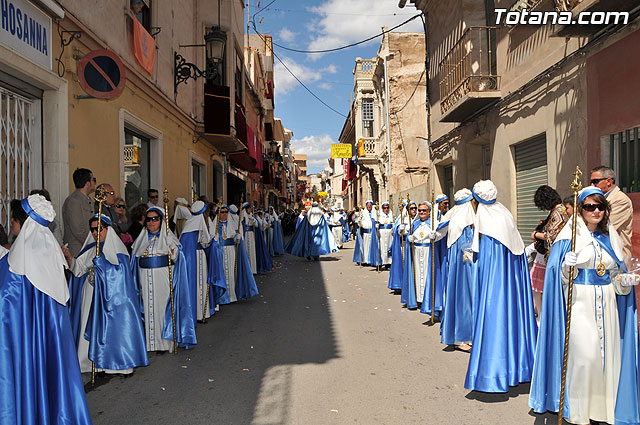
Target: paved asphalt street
325,343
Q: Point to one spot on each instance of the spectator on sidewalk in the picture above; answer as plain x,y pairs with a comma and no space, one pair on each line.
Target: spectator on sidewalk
153,198
621,208
78,209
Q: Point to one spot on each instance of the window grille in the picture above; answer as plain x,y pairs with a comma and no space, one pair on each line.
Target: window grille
625,159
367,117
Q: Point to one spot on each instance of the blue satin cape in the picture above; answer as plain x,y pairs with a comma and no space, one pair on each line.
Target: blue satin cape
114,328
457,317
547,372
440,249
278,238
310,241
216,278
346,234
263,259
395,272
190,245
505,331
40,380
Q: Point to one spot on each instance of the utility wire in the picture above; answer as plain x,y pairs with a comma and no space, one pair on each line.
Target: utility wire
299,81
335,49
264,8
410,97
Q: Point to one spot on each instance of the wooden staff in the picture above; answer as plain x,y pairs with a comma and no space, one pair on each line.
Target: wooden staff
433,258
402,233
101,196
415,284
206,299
378,254
576,185
173,314
361,241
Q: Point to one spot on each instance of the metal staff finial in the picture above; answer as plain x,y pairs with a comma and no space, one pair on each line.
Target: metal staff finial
173,314
575,186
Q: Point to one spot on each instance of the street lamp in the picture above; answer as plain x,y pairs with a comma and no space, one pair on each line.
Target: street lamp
215,41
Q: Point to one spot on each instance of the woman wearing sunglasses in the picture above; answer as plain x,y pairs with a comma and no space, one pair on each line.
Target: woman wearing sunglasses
419,241
105,304
150,267
602,382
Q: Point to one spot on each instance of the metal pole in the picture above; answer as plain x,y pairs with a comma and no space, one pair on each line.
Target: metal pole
433,259
173,313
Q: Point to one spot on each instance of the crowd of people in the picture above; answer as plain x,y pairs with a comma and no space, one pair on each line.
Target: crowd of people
117,284
467,267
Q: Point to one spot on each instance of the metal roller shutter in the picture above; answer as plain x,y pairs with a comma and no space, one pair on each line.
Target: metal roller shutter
531,173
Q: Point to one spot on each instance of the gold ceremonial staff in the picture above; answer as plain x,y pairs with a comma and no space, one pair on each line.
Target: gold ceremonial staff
173,314
576,185
206,299
361,241
433,258
101,196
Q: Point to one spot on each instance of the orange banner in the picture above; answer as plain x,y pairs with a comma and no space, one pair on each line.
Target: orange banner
144,47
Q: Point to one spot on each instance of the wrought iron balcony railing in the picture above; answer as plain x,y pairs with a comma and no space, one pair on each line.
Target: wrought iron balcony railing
470,66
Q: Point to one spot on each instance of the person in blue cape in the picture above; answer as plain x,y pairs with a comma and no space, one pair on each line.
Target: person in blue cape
263,259
346,232
301,216
384,228
150,268
249,235
456,326
367,246
41,381
602,371
277,236
397,246
234,263
312,238
408,289
505,329
439,250
195,238
105,304
335,223
442,201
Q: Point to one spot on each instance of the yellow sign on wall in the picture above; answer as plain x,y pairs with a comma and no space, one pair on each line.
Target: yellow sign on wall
341,150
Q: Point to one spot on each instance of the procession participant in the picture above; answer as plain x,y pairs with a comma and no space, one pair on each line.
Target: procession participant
367,221
358,253
407,265
150,267
601,375
442,201
263,259
239,280
248,234
439,245
180,215
105,304
385,229
335,224
312,238
276,232
194,239
419,238
268,232
41,381
301,216
346,232
457,320
505,328
396,250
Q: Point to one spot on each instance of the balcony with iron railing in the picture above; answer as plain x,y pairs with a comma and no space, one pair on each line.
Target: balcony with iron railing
468,79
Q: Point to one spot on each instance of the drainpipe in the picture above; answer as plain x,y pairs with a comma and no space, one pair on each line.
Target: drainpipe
388,130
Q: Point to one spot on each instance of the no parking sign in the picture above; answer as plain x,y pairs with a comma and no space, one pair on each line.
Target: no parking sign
101,74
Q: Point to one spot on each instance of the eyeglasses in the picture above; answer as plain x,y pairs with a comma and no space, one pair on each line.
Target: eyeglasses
154,218
385,208
153,197
119,205
94,179
109,193
224,212
413,208
596,181
593,207
93,229
423,210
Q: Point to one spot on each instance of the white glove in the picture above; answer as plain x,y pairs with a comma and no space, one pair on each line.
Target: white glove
377,225
410,238
401,228
570,259
237,237
432,235
628,279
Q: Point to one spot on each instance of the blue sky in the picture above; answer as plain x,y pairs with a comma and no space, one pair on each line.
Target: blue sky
314,25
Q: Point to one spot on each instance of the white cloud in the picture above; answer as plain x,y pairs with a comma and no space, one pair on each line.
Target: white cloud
343,22
317,149
285,82
325,86
287,35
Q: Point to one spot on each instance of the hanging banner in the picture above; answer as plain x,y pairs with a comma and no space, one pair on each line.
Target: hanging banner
144,47
341,150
